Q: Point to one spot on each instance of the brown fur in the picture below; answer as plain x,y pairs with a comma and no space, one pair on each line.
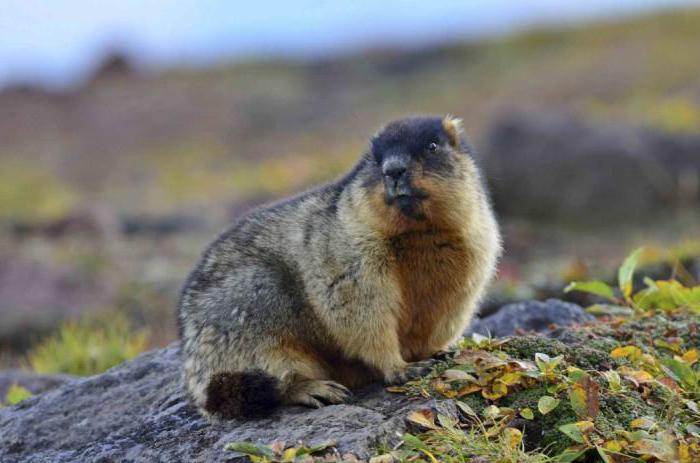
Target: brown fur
430,267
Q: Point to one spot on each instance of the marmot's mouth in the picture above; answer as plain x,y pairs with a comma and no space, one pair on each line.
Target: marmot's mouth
402,190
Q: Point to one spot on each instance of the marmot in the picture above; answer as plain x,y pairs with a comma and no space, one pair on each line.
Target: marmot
345,284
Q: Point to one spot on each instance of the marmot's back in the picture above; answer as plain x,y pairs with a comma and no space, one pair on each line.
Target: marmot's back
345,284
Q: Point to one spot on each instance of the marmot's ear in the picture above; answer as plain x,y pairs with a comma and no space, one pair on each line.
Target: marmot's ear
454,129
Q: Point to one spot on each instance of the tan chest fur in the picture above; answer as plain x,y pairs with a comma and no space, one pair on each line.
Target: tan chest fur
431,270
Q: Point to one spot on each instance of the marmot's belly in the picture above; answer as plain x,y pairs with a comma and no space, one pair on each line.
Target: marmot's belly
432,276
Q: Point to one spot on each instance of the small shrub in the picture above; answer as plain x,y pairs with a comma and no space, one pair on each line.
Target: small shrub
88,346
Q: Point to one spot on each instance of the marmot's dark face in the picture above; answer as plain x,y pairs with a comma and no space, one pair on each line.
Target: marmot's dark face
410,155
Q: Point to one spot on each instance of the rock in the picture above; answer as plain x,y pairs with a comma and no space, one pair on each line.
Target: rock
548,167
34,382
137,412
529,316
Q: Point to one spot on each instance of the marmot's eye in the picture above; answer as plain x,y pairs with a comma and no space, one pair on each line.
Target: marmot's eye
432,147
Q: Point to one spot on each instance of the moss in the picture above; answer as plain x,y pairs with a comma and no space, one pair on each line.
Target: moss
617,411
585,357
543,431
525,347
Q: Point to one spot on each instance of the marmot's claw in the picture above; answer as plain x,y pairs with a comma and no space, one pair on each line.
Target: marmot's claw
316,393
412,371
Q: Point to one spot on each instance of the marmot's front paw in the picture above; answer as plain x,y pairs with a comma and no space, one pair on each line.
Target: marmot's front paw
411,371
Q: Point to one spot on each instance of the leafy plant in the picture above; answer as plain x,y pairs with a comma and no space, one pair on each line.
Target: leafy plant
278,452
657,296
88,346
450,441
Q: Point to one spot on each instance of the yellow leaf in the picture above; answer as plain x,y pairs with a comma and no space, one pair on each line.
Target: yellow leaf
466,390
513,437
691,356
614,446
642,423
396,389
584,398
423,418
636,376
496,391
444,389
631,352
289,455
527,414
510,379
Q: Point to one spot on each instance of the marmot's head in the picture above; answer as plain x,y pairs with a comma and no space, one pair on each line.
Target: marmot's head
417,174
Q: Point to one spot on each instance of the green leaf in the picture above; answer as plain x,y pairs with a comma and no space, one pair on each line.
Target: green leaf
546,404
597,287
575,431
610,310
466,409
603,455
682,372
527,414
315,448
249,448
16,394
626,272
570,455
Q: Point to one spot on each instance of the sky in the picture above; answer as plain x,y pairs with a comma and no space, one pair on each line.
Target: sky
58,42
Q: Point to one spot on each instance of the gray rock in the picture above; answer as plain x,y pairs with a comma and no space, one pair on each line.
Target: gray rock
34,382
529,316
555,167
137,412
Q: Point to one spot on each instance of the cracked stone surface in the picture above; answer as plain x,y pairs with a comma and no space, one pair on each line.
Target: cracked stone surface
137,412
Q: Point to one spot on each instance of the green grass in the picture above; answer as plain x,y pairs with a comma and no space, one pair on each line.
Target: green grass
15,394
88,347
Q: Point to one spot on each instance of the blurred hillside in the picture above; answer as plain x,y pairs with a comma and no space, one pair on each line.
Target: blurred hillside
108,192
183,138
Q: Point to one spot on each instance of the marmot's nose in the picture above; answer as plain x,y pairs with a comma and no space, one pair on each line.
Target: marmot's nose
394,171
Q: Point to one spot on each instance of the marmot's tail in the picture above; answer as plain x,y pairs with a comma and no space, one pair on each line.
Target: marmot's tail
244,394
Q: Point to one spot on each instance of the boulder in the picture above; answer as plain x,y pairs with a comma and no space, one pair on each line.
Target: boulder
137,412
542,317
548,166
